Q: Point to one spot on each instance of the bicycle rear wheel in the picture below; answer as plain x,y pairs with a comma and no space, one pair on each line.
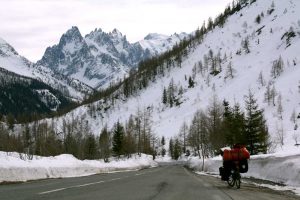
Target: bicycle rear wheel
238,183
231,180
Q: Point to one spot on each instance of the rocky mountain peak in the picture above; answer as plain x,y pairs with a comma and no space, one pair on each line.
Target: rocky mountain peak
72,35
116,33
6,49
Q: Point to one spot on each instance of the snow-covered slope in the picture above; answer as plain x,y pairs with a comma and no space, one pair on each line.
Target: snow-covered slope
100,58
268,41
12,61
158,43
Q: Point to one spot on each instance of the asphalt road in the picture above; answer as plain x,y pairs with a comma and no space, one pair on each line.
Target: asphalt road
167,183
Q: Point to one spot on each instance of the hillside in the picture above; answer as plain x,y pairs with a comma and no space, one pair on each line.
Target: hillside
255,49
24,97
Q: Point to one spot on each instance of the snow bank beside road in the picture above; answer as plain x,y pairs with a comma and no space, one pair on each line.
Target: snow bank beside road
13,169
279,168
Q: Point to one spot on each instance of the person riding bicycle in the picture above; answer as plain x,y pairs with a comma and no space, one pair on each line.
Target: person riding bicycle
234,159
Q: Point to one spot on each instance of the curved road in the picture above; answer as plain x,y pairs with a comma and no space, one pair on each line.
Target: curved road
165,183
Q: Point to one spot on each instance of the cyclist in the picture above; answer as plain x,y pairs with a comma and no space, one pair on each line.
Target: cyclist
234,159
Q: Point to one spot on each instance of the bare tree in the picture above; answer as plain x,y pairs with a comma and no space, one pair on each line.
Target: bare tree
229,71
279,107
296,138
277,68
261,81
215,115
280,134
198,136
273,94
268,93
183,134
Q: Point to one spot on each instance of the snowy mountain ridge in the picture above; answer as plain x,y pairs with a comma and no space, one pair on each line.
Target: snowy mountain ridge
247,48
12,61
100,58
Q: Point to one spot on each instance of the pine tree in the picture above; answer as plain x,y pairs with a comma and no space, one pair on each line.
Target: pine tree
239,125
163,141
118,140
165,97
90,147
255,127
171,148
177,149
258,19
191,82
171,93
228,123
163,150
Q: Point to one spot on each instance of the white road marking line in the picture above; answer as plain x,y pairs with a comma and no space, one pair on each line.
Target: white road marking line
115,179
88,184
76,186
50,191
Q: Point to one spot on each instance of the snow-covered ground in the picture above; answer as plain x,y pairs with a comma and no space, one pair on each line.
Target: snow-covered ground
15,169
281,168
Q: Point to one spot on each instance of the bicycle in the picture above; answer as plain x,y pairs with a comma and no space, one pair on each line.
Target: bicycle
234,178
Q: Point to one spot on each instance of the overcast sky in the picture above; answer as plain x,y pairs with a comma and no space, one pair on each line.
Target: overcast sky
30,26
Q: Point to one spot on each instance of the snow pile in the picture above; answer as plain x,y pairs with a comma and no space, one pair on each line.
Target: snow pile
280,168
13,168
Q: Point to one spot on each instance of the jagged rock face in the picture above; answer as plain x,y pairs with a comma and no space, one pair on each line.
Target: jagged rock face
69,55
99,58
13,62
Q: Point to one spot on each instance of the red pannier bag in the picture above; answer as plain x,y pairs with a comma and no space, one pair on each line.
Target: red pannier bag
236,154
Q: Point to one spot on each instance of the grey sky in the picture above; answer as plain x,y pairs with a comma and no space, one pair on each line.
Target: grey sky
32,25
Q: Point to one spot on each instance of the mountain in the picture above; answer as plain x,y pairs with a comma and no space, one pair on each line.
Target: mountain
158,43
13,62
21,96
255,47
100,58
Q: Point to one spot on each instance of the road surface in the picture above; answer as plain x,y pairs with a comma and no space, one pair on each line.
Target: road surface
162,183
